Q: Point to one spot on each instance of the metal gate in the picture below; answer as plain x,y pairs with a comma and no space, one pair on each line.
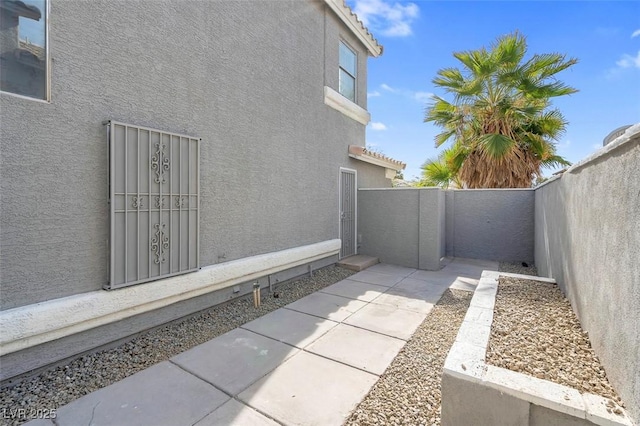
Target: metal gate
154,186
348,212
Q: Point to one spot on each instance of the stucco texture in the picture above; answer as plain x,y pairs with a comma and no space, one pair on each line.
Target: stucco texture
247,80
587,237
402,226
491,224
370,175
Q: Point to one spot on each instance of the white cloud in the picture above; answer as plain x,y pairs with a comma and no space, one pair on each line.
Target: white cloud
373,94
411,94
422,96
378,126
388,88
636,33
386,18
628,61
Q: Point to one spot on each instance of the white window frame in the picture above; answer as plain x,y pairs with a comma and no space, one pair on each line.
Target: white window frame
47,77
354,76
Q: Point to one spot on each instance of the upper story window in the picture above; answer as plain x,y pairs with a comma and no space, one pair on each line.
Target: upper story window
347,76
23,47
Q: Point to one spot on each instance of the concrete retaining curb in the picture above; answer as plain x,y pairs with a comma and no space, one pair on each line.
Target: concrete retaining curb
472,389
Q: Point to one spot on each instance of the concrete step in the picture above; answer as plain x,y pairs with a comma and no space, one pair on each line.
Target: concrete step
358,262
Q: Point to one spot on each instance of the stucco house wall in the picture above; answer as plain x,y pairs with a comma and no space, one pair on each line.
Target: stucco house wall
249,81
587,237
369,175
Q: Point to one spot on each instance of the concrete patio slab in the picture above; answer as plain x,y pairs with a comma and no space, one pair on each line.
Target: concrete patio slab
426,290
309,390
37,422
327,306
469,271
407,301
291,327
450,278
363,349
470,268
234,413
387,320
388,269
485,264
355,290
234,360
376,278
163,394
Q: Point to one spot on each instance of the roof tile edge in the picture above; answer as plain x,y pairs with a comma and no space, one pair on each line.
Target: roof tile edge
351,20
362,153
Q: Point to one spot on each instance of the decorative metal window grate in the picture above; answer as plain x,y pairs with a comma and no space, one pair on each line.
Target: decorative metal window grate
154,185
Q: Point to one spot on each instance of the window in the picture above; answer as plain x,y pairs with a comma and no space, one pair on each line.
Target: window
347,76
154,190
23,47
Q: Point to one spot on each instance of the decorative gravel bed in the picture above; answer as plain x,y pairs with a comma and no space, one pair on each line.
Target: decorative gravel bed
518,268
409,390
62,384
535,331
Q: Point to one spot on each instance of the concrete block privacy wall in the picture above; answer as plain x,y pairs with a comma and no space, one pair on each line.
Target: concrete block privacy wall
402,226
587,237
415,226
491,224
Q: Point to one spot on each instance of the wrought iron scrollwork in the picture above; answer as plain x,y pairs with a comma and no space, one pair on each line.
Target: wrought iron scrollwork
136,202
159,202
179,202
159,243
159,163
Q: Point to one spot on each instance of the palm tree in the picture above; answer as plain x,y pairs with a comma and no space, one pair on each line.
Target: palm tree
443,171
501,124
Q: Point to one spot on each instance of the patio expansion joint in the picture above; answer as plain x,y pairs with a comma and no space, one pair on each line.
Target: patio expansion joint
201,378
250,384
251,407
327,319
341,362
287,343
235,397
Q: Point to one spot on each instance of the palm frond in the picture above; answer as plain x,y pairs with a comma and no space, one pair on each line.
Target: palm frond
555,161
500,118
495,145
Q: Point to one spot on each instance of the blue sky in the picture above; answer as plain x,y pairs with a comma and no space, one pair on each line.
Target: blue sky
419,38
31,29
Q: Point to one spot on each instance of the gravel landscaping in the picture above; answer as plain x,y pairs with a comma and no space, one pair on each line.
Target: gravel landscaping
409,390
518,268
535,332
60,385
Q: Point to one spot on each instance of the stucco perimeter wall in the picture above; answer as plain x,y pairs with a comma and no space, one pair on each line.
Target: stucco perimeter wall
491,224
402,226
249,81
587,237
